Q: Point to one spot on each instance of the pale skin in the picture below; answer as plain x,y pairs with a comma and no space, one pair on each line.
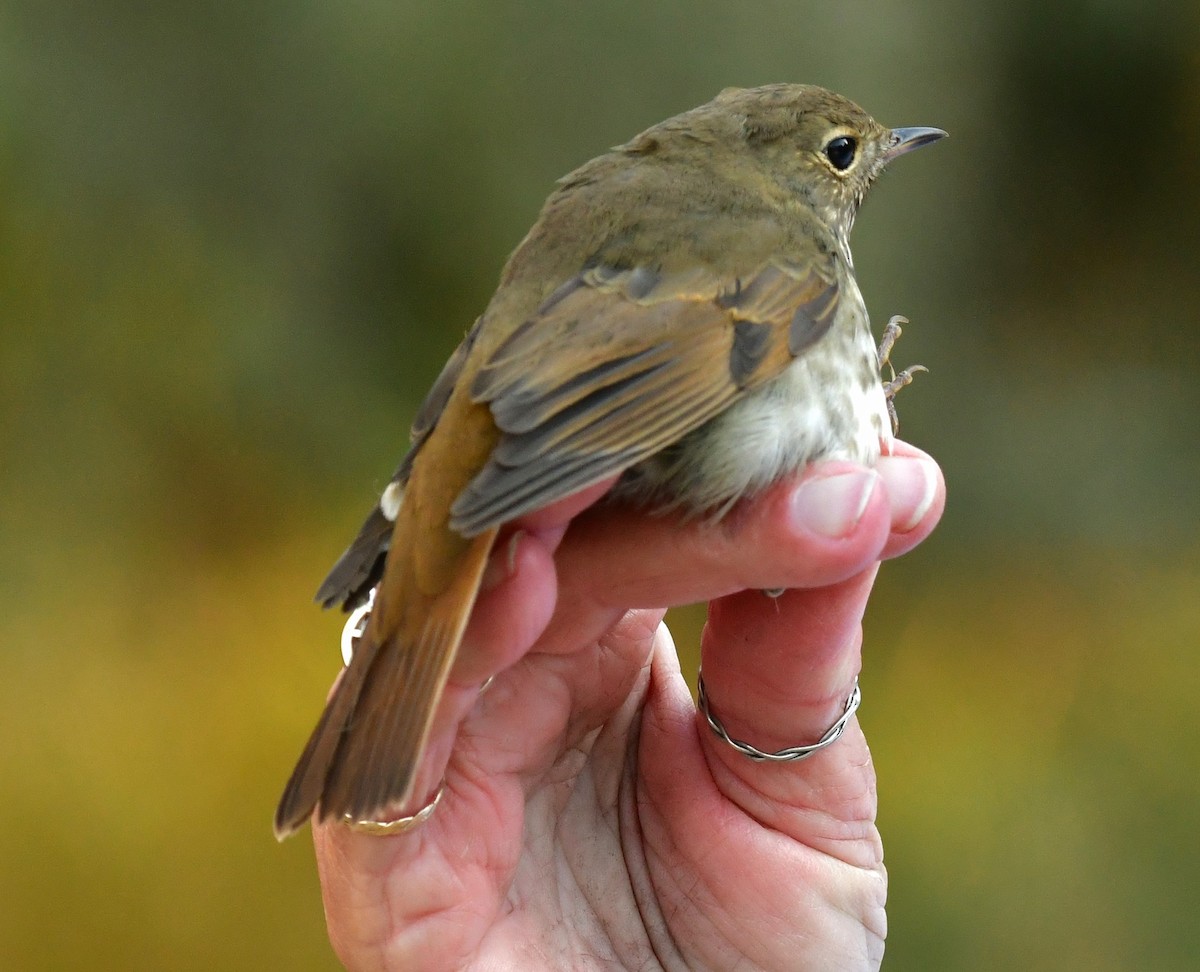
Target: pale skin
590,818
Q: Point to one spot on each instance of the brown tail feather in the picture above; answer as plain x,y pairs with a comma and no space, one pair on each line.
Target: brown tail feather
364,752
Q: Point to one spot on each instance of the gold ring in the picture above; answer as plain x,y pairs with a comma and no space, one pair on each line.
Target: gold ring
389,828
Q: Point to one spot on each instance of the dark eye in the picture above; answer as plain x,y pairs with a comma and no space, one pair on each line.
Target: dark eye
840,152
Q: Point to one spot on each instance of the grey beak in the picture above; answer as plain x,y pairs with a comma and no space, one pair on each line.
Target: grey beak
906,139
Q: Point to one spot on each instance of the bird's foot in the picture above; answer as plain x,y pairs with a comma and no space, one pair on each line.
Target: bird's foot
896,380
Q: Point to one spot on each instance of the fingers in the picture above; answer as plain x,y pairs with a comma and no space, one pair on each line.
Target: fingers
778,671
826,883
516,601
517,596
828,527
779,675
916,493
831,524
822,536
837,519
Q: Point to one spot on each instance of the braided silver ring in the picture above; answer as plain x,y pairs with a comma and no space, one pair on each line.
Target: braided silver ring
784,755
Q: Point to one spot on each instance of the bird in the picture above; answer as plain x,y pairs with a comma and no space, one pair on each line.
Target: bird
683,315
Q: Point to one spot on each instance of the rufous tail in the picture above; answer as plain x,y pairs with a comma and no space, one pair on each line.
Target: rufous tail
363,755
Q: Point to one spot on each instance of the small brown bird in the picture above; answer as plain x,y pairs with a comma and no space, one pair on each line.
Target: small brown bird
684,313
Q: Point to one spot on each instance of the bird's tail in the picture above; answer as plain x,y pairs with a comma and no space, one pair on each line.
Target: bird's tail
362,757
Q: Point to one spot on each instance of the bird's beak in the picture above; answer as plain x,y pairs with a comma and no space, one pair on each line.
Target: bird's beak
906,139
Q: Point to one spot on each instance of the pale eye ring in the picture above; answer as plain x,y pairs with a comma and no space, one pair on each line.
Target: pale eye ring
841,152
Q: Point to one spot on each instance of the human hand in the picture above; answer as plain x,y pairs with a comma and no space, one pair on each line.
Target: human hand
590,818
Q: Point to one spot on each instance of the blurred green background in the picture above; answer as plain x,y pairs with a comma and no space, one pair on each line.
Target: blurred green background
238,240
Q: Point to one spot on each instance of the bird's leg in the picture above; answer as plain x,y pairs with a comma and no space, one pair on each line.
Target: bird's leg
897,380
891,334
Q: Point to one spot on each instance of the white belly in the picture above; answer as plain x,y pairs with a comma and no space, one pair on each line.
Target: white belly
825,406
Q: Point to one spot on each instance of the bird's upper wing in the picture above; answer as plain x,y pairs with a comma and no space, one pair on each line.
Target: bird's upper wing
619,363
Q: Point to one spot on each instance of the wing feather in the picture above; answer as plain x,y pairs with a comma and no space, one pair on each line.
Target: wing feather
619,363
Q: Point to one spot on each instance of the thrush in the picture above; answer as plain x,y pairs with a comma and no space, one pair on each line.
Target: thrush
684,314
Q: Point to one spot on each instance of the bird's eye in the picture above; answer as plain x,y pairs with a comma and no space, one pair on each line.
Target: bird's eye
840,152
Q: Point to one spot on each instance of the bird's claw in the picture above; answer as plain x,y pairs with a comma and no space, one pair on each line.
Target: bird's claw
897,380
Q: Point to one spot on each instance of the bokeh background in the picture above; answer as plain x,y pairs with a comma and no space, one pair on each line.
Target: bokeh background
237,240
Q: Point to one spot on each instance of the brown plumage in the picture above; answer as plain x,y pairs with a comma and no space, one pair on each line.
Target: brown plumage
683,312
